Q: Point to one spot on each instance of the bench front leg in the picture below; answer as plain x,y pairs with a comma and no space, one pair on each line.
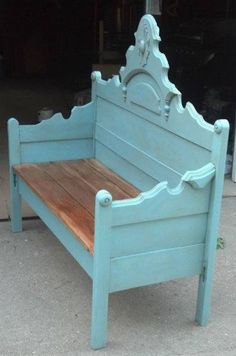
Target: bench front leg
101,269
14,158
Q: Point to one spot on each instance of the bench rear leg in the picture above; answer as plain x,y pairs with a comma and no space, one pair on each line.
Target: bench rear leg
204,296
206,277
14,158
16,213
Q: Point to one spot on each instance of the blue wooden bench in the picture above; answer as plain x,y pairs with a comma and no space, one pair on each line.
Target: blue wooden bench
131,183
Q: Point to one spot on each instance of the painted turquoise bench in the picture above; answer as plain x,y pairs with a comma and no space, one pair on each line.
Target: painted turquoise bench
131,183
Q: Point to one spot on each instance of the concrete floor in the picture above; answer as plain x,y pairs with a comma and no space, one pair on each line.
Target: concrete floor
45,298
45,302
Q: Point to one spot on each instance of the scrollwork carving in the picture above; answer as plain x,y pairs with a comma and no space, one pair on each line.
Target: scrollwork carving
144,45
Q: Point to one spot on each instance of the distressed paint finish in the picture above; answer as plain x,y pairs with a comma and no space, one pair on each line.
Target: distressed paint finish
137,126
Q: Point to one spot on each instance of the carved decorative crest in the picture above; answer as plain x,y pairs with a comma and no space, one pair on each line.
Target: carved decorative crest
146,58
143,85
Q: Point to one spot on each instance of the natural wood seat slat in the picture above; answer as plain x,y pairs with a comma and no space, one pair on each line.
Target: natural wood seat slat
62,204
115,178
68,188
89,177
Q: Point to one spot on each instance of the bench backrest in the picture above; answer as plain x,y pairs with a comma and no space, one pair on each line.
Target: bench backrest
142,130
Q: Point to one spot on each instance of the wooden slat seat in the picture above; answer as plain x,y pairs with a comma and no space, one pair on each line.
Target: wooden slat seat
68,188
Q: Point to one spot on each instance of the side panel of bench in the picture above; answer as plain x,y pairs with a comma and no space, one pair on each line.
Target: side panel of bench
158,250
140,237
142,122
161,234
155,267
56,138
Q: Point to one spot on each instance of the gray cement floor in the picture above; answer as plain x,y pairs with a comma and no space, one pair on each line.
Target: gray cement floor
45,302
45,296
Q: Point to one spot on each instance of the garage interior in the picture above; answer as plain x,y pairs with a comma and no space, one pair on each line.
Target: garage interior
57,42
49,48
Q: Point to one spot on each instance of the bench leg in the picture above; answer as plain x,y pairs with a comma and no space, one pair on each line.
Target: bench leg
101,269
99,316
16,214
14,158
204,298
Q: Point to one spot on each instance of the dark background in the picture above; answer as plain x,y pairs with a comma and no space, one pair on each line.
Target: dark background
59,40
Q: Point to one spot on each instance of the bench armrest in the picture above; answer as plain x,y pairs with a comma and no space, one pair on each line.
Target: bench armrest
190,196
